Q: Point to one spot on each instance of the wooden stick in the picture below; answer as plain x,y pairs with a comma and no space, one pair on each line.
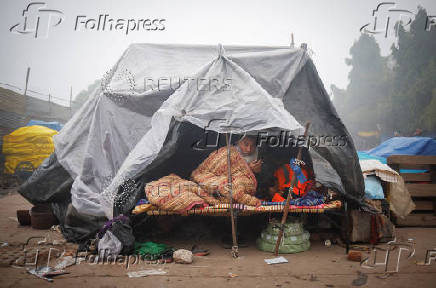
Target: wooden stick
232,215
288,199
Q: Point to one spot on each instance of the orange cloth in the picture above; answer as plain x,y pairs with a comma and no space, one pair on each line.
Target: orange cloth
284,178
278,198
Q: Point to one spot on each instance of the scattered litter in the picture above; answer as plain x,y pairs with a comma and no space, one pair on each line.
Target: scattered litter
232,275
328,243
355,256
277,260
41,242
182,256
196,251
56,228
20,261
13,219
65,262
46,273
384,276
59,242
4,244
361,279
145,273
313,278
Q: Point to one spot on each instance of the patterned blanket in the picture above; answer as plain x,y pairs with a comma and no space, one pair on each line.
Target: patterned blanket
176,194
211,175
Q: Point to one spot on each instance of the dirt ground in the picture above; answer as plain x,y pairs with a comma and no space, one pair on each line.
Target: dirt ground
321,266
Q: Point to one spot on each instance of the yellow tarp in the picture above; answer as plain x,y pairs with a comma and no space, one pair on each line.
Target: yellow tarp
31,144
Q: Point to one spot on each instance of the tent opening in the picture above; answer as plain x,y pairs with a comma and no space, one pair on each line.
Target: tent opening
187,146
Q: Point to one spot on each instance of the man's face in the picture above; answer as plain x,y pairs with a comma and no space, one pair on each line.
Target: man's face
247,146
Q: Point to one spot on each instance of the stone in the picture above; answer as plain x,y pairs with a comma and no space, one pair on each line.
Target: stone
182,256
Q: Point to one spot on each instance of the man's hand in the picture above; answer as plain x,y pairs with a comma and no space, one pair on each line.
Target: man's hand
256,166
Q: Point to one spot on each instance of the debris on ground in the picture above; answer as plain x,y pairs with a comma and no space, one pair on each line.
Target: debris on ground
361,279
355,256
15,219
277,260
145,273
46,273
182,256
327,243
197,251
232,275
65,262
313,277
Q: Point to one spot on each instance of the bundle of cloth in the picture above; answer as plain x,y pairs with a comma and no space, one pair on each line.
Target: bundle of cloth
212,174
176,194
209,185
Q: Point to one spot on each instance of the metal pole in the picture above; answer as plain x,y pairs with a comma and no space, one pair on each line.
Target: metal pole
235,252
288,199
27,81
25,92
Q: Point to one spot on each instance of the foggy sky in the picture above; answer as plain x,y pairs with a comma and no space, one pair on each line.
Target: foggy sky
76,58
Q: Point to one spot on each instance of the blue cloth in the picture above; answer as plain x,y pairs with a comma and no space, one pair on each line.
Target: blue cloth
365,156
373,188
401,146
405,146
297,170
52,125
142,201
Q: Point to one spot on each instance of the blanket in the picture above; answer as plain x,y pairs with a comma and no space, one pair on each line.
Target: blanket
176,194
211,175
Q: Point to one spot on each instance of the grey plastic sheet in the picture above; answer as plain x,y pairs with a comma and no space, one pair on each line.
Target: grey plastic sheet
121,129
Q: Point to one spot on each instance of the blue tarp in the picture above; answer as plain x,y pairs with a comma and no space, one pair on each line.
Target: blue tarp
401,146
365,156
52,125
405,146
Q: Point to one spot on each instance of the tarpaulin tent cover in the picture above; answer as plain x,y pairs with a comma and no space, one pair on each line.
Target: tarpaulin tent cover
27,144
134,119
405,146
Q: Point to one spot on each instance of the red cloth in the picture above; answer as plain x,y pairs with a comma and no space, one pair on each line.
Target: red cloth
278,198
284,176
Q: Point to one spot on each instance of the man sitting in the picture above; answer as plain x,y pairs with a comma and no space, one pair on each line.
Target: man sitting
211,174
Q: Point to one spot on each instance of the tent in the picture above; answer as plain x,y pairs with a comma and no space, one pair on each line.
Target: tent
141,123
